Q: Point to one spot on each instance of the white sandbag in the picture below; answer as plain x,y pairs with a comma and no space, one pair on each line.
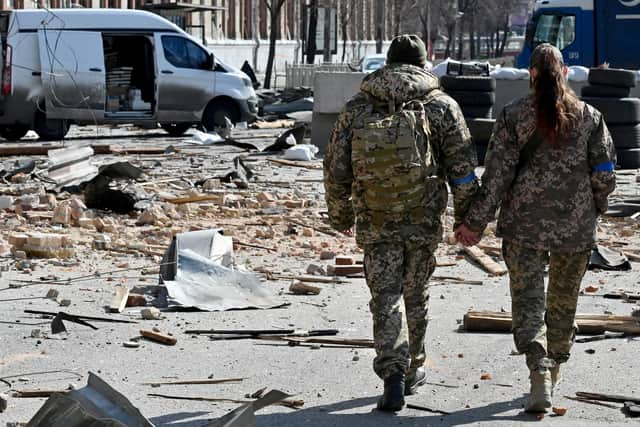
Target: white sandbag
578,73
508,73
304,152
202,138
441,68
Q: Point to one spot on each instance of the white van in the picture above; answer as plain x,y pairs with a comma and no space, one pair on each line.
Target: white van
95,66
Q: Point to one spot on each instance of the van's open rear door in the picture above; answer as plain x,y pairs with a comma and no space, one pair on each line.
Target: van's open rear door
73,74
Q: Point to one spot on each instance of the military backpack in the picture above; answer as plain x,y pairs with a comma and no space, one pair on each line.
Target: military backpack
392,160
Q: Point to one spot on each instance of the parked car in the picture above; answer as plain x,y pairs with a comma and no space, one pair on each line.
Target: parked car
370,63
95,66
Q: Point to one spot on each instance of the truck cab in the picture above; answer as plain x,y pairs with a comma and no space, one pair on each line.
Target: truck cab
587,32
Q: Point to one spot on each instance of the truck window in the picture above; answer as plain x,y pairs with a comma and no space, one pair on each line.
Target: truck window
559,30
184,53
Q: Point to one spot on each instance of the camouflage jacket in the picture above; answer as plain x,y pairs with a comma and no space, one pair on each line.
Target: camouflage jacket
449,136
553,200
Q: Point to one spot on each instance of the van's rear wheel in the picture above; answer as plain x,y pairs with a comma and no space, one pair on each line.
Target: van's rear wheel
49,129
175,129
217,111
13,132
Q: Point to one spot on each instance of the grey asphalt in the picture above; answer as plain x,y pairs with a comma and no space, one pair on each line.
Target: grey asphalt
337,384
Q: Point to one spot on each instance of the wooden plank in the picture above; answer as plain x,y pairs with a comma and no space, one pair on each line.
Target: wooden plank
347,270
487,263
298,164
300,288
27,150
158,337
218,198
608,397
195,382
119,301
120,149
588,324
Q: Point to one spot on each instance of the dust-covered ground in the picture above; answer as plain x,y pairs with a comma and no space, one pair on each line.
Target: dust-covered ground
289,225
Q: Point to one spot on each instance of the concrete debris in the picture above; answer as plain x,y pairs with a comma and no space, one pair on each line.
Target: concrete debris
155,215
151,314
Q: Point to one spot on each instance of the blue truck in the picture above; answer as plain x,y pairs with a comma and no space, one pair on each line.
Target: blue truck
588,32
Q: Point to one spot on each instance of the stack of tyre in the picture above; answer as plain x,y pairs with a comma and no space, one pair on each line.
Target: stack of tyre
609,91
476,96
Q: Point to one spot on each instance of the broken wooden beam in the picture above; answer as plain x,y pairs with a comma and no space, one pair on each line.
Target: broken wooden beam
487,263
119,301
158,337
588,324
300,288
347,270
299,164
195,382
608,397
218,198
347,342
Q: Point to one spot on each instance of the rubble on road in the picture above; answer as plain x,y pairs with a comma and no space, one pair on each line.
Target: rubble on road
235,224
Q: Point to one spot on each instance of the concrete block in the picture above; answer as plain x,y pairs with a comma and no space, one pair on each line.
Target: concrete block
333,90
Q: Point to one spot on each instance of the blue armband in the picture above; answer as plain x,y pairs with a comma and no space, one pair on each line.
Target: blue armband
604,167
466,180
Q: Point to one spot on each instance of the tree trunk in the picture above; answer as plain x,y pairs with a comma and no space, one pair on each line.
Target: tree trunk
450,36
274,13
326,43
505,34
379,17
460,39
472,37
311,32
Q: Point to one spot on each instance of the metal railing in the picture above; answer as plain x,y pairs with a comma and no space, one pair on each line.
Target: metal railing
302,75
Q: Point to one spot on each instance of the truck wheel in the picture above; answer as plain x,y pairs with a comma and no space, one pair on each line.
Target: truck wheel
468,83
617,111
481,152
217,111
605,91
464,97
628,158
13,132
477,111
176,129
49,129
612,77
625,136
480,129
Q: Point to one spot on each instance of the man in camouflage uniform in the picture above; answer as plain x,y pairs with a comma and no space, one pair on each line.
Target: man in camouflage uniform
549,201
399,245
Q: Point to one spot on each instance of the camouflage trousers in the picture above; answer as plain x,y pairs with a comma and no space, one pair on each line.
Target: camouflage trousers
397,275
544,324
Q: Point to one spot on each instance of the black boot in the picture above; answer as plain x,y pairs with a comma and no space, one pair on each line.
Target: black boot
393,397
414,380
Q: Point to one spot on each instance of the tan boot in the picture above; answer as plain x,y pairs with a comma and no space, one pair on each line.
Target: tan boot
540,397
555,377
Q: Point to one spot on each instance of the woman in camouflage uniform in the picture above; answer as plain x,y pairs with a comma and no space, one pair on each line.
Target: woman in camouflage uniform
550,168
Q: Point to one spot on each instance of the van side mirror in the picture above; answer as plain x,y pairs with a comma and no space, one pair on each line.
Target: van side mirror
210,62
530,32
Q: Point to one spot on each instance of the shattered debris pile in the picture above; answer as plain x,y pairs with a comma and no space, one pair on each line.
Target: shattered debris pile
214,255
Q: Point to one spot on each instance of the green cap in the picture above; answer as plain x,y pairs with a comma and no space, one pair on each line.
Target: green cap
407,49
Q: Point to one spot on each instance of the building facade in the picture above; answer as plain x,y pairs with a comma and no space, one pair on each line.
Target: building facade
238,30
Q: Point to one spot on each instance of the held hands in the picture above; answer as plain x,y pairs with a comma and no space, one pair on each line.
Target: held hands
466,236
348,232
